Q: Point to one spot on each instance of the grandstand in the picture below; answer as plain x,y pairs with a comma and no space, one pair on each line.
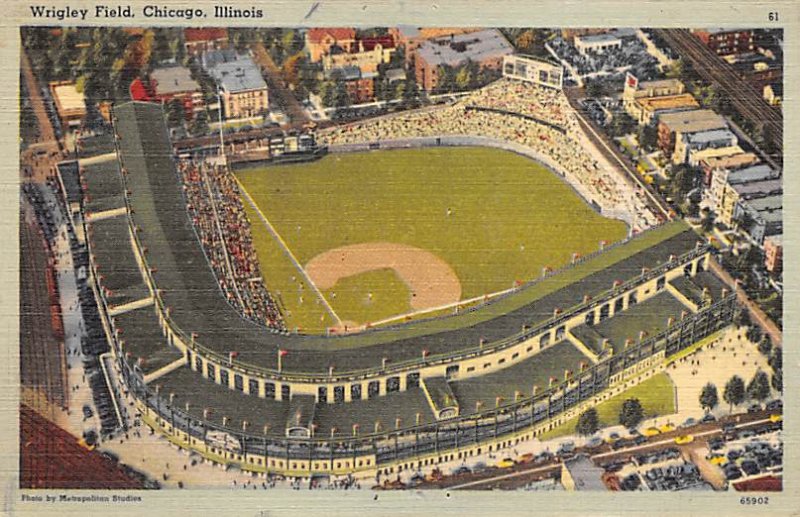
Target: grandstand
270,400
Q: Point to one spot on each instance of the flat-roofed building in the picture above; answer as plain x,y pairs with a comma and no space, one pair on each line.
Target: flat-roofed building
486,48
698,155
724,179
167,84
243,89
725,41
700,140
70,103
773,253
646,110
745,192
409,38
202,39
596,43
765,216
730,162
672,125
580,474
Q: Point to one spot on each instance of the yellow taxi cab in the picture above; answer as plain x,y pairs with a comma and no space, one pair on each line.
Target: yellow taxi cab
651,431
718,459
85,445
666,428
776,418
505,463
684,439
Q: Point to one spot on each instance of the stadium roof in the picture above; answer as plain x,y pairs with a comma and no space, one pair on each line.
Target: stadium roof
191,291
454,50
115,262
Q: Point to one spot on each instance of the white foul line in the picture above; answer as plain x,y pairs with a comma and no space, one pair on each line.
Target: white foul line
286,250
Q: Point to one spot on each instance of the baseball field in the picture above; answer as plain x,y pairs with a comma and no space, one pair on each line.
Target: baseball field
358,238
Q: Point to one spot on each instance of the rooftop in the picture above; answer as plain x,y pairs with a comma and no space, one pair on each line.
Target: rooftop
201,34
766,204
733,161
712,135
668,102
597,38
693,121
761,188
317,34
753,173
475,46
233,72
68,98
173,79
585,474
712,153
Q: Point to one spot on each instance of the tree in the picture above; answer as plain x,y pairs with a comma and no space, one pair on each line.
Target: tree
777,380
734,391
707,223
200,123
765,345
709,398
631,413
758,388
588,422
754,333
742,318
648,137
776,359
175,113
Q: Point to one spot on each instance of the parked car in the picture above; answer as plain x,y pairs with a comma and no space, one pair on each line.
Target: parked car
651,431
505,463
684,439
708,418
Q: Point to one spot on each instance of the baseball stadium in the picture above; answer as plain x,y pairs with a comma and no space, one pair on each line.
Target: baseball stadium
424,287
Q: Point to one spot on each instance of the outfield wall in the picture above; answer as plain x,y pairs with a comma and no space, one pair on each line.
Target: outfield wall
483,141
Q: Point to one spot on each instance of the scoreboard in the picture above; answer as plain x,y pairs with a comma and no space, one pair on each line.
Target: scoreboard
533,70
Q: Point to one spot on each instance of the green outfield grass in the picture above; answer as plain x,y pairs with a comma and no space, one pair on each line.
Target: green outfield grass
284,281
509,216
657,395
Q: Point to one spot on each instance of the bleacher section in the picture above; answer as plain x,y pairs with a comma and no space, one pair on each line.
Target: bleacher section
521,377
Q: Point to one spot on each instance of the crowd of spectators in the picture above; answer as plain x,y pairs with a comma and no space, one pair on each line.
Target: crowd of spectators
537,118
218,215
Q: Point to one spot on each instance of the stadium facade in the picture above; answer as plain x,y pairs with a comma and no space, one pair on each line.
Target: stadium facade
386,399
